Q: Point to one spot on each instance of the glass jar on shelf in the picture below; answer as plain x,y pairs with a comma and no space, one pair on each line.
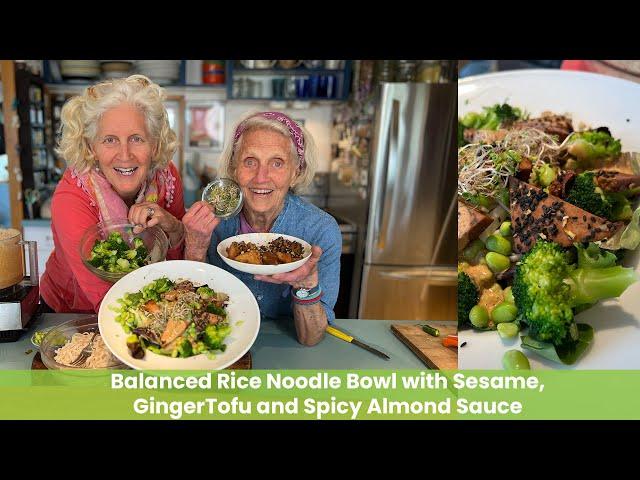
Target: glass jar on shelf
428,71
406,71
386,71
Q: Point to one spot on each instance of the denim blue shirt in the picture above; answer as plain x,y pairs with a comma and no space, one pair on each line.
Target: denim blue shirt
299,219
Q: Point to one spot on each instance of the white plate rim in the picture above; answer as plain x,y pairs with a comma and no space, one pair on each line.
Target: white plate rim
197,362
484,349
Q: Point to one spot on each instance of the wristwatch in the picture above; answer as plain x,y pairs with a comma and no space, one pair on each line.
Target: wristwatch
306,293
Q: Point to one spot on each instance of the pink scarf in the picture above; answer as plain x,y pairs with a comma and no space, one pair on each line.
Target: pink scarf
111,206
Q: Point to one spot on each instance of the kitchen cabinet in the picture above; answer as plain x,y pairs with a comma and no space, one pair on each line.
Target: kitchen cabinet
305,80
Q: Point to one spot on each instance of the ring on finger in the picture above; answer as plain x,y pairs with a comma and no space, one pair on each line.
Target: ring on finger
150,211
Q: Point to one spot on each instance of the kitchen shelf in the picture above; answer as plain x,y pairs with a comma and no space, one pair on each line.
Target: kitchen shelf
36,159
293,99
236,73
75,85
287,71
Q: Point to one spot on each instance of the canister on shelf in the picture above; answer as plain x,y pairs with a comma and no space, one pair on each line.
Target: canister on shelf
213,71
386,70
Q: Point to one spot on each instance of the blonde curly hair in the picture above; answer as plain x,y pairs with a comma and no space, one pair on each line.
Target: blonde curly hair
252,121
81,114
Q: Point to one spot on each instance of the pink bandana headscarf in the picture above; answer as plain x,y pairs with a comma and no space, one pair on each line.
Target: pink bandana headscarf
294,131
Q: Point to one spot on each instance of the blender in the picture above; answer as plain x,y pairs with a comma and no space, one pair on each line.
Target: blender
19,294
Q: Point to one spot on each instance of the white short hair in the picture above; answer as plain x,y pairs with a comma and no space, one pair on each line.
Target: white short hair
81,114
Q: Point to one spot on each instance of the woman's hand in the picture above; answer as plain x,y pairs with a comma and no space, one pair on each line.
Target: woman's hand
304,277
199,223
148,214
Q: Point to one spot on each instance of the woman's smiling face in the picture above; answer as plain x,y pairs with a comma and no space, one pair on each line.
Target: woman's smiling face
265,170
123,149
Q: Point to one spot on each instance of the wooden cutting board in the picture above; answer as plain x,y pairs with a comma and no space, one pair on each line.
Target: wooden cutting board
245,363
427,347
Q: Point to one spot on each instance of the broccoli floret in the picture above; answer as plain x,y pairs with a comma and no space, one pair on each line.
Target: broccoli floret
492,118
137,242
205,292
593,144
211,308
587,195
184,348
594,257
547,287
115,238
124,264
467,297
213,336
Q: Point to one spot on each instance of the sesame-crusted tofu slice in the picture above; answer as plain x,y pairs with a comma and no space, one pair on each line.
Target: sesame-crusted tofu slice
536,214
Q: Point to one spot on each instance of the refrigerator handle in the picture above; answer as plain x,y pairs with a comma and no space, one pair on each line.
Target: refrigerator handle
392,159
448,277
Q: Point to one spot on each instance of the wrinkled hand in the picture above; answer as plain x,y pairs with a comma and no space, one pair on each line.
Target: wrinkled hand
148,214
199,223
304,277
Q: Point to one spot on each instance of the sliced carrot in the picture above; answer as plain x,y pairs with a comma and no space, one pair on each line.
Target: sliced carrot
450,341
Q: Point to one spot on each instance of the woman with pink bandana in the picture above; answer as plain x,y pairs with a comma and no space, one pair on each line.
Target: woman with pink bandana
118,146
272,158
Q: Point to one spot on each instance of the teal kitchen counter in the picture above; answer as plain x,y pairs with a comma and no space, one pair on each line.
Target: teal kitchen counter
276,347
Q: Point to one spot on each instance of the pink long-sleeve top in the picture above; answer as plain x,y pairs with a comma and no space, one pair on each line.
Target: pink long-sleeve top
67,285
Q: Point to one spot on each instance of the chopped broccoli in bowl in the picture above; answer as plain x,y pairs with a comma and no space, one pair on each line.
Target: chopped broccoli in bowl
111,250
115,255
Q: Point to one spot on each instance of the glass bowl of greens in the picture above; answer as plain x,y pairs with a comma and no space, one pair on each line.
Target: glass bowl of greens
226,197
111,250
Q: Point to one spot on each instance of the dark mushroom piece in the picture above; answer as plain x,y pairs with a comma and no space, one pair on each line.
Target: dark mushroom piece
135,348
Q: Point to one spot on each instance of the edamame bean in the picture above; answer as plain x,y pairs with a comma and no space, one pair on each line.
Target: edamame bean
515,360
472,250
479,316
547,175
507,330
505,229
508,295
504,313
499,244
497,262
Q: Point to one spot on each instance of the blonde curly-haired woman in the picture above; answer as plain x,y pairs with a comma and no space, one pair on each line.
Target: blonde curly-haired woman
118,146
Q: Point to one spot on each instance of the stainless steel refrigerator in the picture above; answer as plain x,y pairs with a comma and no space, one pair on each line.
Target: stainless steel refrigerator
409,249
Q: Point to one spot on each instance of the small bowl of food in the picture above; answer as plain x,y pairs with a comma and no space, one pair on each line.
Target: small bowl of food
264,253
62,345
38,336
226,197
111,250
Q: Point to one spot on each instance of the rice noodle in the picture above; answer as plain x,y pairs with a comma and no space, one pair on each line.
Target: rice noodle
100,357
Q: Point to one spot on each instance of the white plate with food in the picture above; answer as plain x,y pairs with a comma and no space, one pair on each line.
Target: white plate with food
264,253
591,101
180,315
